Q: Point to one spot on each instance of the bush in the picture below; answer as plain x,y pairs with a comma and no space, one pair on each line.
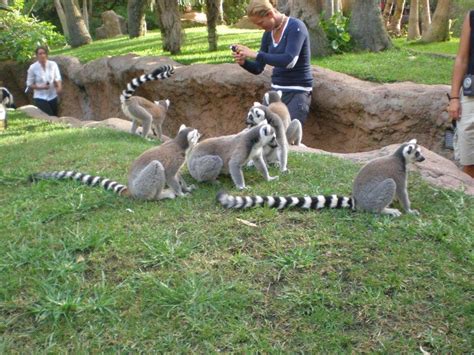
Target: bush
337,32
20,35
234,10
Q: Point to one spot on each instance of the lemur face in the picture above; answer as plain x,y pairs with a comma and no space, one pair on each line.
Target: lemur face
193,137
255,116
412,152
267,136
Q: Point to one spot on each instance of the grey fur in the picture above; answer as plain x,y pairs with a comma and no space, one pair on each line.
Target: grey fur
374,188
258,114
149,173
293,128
150,115
228,154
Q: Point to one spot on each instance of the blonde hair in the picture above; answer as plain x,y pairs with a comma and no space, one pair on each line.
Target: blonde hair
260,8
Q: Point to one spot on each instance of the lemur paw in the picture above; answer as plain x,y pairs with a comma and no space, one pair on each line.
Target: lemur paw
413,212
286,171
271,178
391,212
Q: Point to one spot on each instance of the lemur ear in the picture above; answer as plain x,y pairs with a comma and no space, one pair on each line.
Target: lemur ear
413,141
256,104
183,126
280,93
167,103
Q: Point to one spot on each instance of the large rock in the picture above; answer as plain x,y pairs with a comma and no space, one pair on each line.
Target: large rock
347,114
111,23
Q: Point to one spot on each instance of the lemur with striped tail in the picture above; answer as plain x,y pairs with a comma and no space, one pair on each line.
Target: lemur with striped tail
150,115
149,173
375,187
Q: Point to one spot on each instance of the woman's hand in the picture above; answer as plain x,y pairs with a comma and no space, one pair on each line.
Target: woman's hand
242,53
454,109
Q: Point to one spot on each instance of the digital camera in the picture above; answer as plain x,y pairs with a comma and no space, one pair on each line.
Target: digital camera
468,85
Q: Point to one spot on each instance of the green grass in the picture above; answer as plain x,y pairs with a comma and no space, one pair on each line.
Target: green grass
405,62
88,271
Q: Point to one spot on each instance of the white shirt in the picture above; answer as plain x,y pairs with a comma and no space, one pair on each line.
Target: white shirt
38,75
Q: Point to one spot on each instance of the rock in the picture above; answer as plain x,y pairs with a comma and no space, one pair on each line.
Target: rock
193,18
111,23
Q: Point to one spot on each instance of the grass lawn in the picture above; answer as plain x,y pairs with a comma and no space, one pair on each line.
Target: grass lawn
84,270
405,62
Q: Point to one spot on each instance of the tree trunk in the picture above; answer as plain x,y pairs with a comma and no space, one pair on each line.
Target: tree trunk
309,11
212,13
425,15
62,17
170,25
220,18
85,13
414,21
387,11
396,20
346,7
78,33
136,17
4,3
328,9
367,28
439,29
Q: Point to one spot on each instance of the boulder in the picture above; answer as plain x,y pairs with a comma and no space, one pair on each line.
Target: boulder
347,114
111,24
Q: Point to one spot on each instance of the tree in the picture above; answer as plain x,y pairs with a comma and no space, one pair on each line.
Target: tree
439,29
170,25
62,17
387,10
78,33
395,25
136,17
309,12
425,15
85,12
367,28
414,21
212,13
4,3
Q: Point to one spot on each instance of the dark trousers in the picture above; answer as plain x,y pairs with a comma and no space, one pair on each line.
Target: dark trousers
50,107
298,103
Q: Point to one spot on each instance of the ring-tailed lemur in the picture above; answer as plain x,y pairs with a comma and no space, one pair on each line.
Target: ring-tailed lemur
279,154
149,173
6,100
150,115
228,154
374,188
293,128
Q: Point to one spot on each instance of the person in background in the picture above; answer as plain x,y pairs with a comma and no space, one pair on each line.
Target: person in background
45,80
285,45
461,106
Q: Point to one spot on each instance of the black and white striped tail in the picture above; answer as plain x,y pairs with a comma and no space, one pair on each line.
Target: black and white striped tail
86,179
161,73
279,202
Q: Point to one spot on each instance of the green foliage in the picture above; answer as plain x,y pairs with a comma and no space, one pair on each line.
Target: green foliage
337,32
234,10
20,35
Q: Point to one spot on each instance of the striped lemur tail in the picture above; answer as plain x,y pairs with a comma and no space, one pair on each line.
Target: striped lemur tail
160,73
86,179
307,202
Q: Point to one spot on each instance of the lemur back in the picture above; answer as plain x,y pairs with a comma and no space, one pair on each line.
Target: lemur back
374,188
148,174
279,154
293,128
228,154
148,114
